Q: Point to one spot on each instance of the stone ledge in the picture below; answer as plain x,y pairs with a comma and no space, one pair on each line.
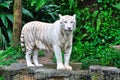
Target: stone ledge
19,71
75,66
45,73
104,72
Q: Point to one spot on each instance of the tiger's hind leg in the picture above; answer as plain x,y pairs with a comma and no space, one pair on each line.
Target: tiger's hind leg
35,57
28,58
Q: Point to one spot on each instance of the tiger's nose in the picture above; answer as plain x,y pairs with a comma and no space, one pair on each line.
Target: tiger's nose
69,28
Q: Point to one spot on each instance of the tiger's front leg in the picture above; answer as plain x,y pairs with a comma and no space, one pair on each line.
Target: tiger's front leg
67,58
58,55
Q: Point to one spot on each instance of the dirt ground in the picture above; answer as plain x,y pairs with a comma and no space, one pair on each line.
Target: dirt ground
48,58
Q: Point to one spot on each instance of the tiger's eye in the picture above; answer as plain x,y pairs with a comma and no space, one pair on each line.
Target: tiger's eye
65,21
71,21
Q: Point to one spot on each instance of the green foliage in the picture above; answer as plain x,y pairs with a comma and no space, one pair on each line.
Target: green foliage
6,24
10,55
1,78
38,3
6,20
117,5
97,29
51,11
6,4
102,56
72,4
41,53
27,13
47,11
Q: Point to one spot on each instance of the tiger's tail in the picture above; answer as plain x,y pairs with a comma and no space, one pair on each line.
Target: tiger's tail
22,42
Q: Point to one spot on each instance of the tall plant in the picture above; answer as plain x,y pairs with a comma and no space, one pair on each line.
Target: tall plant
6,20
46,10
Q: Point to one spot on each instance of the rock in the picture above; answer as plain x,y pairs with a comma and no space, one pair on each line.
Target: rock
19,71
104,72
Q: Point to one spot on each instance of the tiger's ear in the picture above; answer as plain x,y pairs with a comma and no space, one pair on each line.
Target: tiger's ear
74,15
60,16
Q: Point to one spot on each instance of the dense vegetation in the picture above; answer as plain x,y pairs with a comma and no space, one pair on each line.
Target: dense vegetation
98,24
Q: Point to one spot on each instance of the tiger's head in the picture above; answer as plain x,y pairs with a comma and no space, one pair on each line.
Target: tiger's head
68,23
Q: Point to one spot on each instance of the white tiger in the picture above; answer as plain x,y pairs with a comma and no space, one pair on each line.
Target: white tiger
54,37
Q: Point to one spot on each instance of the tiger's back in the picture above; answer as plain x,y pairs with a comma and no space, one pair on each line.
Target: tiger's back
32,35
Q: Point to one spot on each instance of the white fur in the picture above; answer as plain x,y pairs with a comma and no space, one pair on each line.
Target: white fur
53,37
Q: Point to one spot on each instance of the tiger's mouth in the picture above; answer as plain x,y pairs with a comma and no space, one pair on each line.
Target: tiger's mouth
68,31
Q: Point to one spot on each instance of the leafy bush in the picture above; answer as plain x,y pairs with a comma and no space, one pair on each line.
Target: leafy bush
2,78
102,56
97,29
10,55
46,10
6,20
6,24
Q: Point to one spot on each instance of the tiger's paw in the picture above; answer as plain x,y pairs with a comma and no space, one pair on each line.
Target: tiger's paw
67,67
39,65
60,67
30,65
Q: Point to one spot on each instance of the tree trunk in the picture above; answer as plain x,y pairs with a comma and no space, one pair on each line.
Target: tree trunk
17,22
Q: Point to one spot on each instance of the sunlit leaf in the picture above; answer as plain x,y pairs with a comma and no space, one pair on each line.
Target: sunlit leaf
51,15
95,13
105,13
84,35
4,41
4,20
27,13
116,6
10,17
99,1
9,31
98,24
0,32
6,4
39,4
71,3
1,52
33,2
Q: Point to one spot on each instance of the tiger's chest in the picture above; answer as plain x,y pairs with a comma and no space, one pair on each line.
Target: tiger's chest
64,44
